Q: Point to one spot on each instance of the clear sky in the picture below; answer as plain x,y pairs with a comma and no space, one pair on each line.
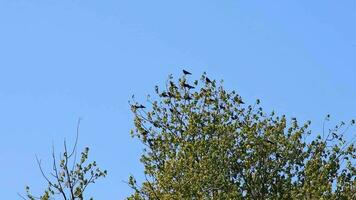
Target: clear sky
65,59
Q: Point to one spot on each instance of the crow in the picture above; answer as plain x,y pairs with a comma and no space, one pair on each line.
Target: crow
209,100
188,86
173,85
174,111
187,97
240,101
269,141
164,94
170,94
139,106
208,80
186,72
144,133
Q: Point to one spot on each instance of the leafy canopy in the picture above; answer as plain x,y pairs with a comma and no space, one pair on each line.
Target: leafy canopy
202,142
69,177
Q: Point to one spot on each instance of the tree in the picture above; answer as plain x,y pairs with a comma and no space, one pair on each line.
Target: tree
202,142
69,179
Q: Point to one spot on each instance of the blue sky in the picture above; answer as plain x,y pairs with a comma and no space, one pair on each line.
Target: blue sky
61,60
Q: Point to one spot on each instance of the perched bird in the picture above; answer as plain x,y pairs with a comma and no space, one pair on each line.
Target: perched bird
269,141
170,94
240,101
188,86
144,133
156,124
174,111
139,106
209,100
186,72
222,106
150,142
234,117
164,94
208,80
187,97
173,85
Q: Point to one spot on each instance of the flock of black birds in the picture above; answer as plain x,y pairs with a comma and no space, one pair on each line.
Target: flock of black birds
185,72
185,85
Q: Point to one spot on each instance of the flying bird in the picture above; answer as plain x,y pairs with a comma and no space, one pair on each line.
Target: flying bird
186,72
188,86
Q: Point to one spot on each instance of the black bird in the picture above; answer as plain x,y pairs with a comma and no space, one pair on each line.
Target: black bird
209,100
269,141
234,117
174,111
240,101
208,80
156,124
139,106
188,86
187,97
222,106
150,142
170,94
186,72
173,85
164,94
144,133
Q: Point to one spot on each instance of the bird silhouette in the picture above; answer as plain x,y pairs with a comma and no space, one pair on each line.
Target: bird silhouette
164,94
173,85
174,111
170,94
208,80
240,101
139,106
144,133
269,141
186,72
188,86
209,100
187,97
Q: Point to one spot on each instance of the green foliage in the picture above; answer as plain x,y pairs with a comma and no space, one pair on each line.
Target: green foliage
202,142
69,178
